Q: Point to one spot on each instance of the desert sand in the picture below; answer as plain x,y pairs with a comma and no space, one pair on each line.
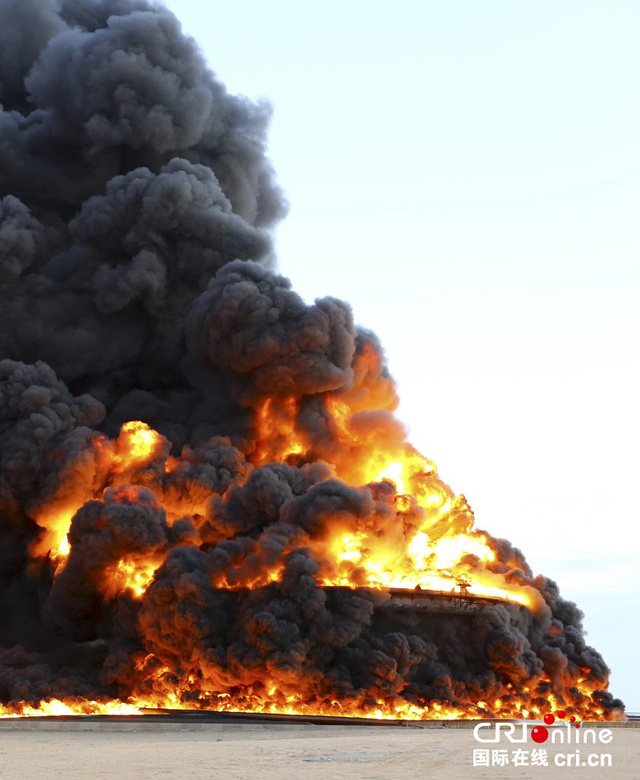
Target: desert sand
40,750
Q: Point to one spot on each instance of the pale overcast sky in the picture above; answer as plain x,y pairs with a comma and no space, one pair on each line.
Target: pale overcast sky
467,175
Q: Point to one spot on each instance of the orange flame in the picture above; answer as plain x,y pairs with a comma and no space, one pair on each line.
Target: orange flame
131,574
75,706
427,541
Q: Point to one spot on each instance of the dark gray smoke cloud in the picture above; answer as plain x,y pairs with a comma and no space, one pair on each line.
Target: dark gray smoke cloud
128,177
252,326
137,283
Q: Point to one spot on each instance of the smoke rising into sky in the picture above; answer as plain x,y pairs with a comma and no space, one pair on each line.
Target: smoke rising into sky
138,284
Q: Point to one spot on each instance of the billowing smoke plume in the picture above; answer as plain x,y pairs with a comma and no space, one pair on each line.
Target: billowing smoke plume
193,502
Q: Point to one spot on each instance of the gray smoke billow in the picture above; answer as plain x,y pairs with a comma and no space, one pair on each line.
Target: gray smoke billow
137,282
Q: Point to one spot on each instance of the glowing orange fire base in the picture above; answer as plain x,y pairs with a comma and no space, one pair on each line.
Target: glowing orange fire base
278,706
327,712
414,549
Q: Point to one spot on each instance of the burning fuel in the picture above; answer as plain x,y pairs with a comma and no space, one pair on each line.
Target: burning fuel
205,497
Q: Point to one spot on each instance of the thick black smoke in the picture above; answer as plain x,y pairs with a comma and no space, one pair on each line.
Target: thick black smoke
128,178
136,283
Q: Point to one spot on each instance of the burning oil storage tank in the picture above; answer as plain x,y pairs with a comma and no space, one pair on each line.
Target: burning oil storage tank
192,457
459,627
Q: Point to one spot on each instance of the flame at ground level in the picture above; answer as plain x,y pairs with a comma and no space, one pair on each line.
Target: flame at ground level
387,710
193,557
405,529
530,702
57,708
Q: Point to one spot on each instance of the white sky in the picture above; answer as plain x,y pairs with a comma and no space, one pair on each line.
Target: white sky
467,175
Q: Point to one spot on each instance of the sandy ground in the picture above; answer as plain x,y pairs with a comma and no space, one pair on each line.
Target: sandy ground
238,752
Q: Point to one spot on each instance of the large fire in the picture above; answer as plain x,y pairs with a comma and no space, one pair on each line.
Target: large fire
430,543
206,499
427,542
